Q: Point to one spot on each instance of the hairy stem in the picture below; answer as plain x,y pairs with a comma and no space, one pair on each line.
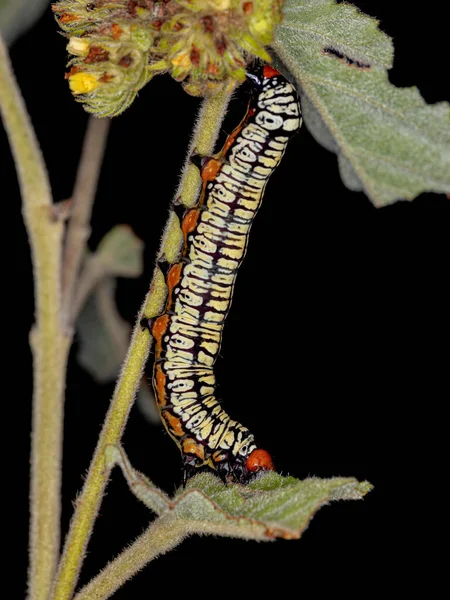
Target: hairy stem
82,201
47,341
88,503
162,535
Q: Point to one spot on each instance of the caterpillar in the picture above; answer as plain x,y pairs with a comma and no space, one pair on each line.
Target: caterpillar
200,285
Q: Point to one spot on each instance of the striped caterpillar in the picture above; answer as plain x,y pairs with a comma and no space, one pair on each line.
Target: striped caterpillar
200,286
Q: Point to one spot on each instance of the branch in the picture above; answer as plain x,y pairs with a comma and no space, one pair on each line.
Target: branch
161,536
48,344
87,506
82,200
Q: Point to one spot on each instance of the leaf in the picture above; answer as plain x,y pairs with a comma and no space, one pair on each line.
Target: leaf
103,334
152,497
389,142
272,506
104,338
120,253
16,16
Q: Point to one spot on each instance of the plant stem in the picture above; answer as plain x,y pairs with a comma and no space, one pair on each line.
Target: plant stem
82,201
161,536
47,341
87,506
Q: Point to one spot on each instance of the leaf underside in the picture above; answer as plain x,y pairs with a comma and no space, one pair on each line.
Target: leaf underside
389,142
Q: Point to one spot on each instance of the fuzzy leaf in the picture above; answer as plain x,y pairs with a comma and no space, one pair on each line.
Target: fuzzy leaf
120,252
390,143
16,16
104,338
143,488
270,507
273,506
103,334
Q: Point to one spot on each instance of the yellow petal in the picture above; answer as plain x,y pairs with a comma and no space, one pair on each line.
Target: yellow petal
82,83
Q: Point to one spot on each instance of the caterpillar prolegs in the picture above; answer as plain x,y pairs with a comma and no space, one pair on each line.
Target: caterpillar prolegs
200,286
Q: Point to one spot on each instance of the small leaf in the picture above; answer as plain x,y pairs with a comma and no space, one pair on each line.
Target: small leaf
141,486
119,254
103,334
390,143
120,251
16,16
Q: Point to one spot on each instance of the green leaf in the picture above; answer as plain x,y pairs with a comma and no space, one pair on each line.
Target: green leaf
389,142
139,484
272,506
16,16
104,338
103,335
120,253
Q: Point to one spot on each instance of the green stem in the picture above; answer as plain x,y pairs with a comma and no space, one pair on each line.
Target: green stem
162,535
47,341
88,503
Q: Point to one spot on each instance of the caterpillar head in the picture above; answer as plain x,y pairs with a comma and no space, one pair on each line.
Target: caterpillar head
240,469
259,460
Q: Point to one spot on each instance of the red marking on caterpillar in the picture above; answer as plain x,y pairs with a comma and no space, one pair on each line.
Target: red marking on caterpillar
200,285
270,72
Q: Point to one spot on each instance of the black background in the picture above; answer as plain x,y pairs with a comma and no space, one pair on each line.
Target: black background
334,354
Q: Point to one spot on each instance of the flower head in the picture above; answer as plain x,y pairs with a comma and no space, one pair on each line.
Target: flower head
118,46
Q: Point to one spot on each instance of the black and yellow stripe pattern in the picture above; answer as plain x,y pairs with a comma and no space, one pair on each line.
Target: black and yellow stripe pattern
200,286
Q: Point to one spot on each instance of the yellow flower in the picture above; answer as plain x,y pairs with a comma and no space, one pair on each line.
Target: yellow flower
82,83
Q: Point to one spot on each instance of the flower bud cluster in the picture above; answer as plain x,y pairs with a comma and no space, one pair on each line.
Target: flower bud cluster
118,46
